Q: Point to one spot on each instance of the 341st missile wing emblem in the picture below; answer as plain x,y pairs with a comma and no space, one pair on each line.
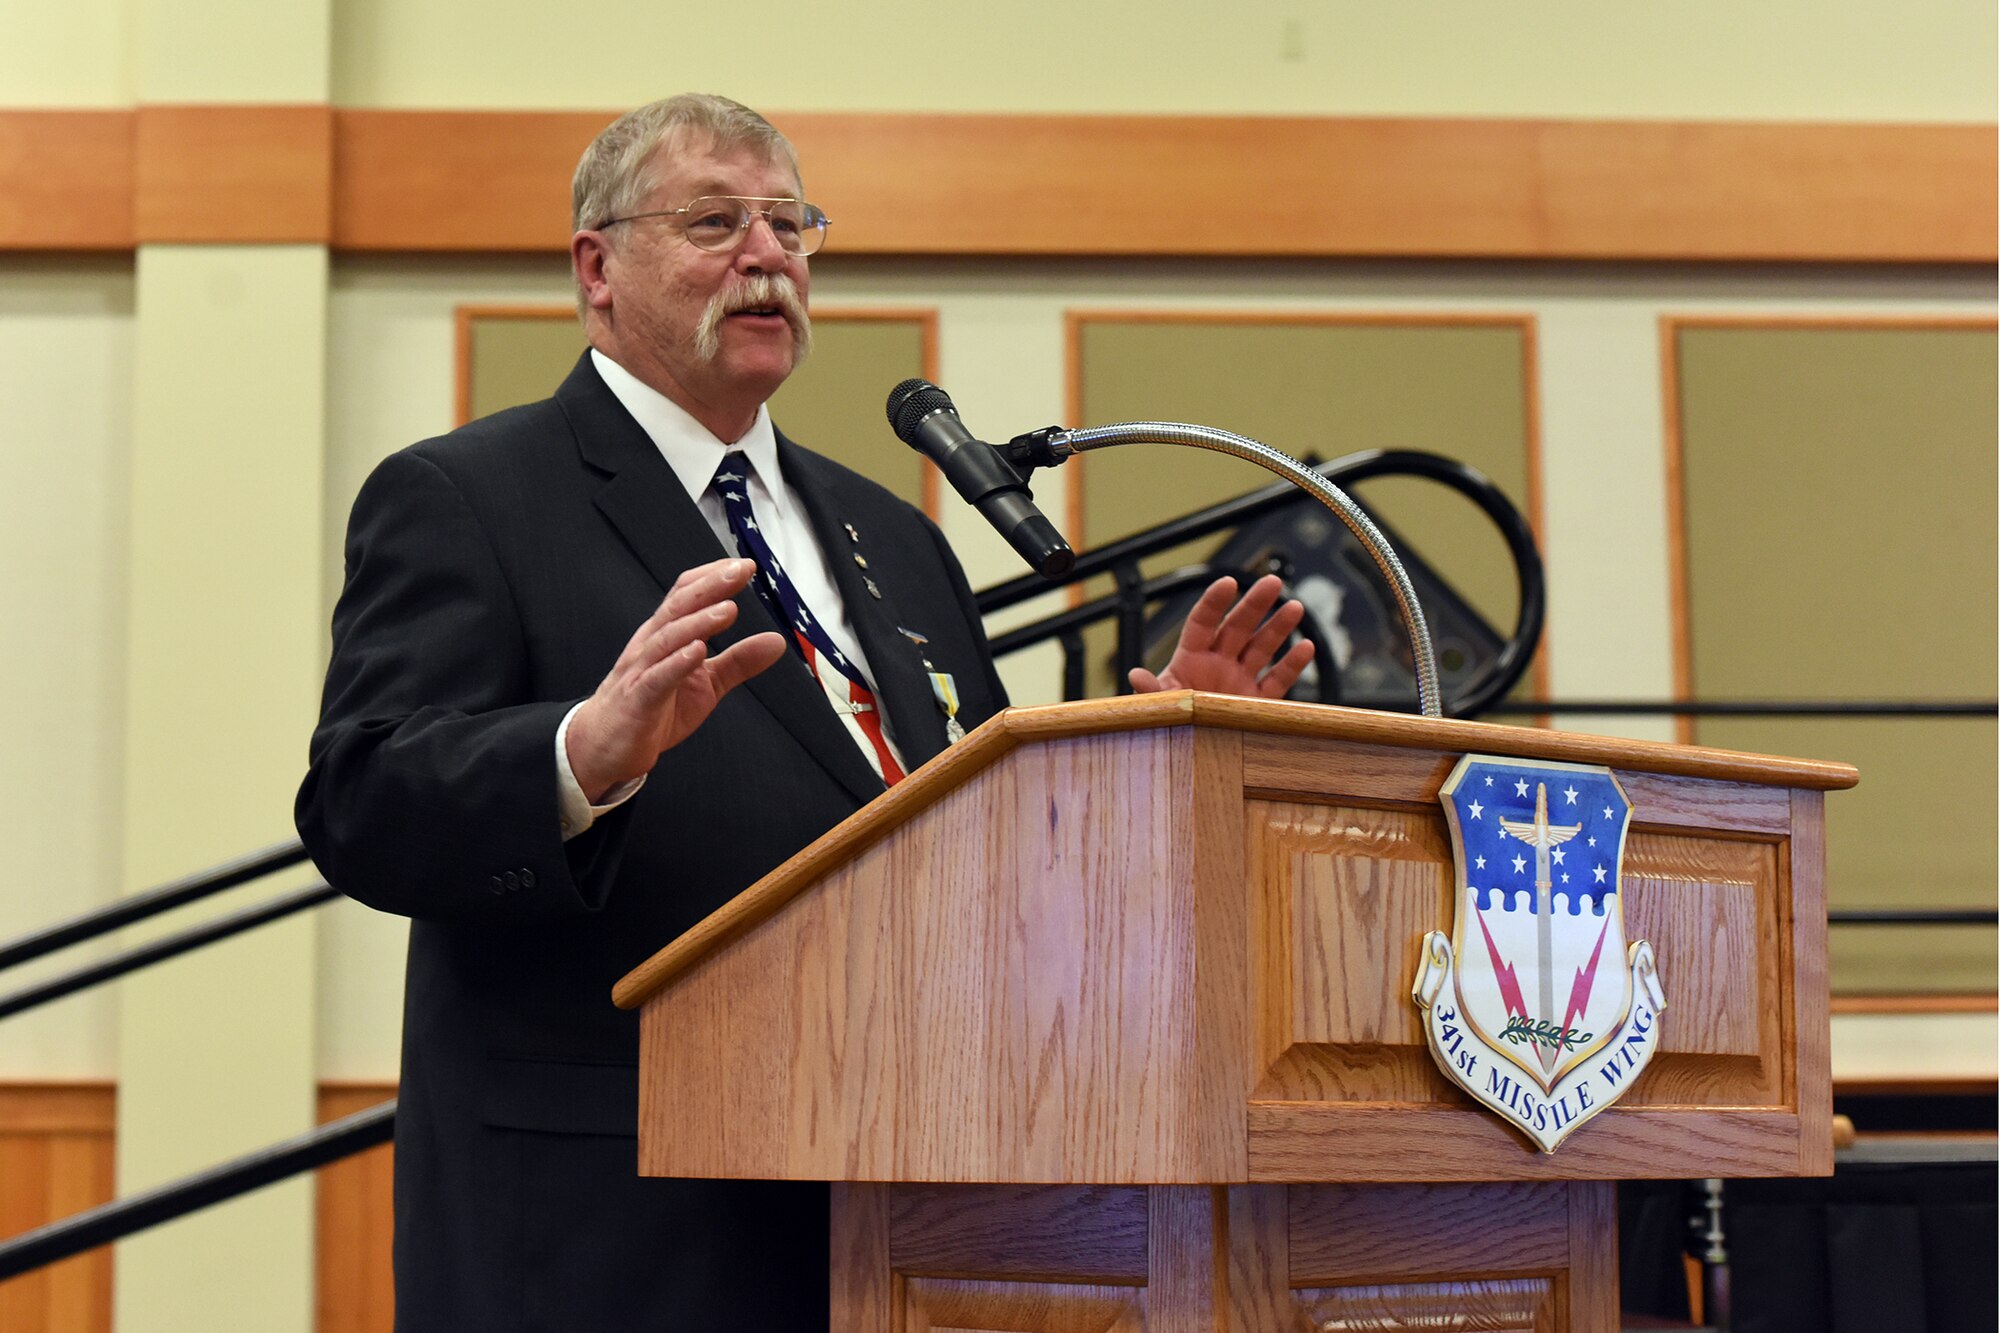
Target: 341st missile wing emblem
1536,1004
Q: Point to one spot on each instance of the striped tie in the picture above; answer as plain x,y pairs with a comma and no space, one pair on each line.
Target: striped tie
839,677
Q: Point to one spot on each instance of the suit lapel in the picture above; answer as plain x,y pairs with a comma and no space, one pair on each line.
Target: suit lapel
646,504
901,685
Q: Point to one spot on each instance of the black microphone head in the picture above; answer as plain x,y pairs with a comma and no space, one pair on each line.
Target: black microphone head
912,401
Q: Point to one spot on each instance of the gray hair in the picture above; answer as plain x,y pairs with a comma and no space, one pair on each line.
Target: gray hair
613,176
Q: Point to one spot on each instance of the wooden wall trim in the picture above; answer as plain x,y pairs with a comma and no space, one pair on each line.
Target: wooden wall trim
1673,456
456,181
497,181
233,174
354,1284
66,180
1403,187
87,1106
56,1160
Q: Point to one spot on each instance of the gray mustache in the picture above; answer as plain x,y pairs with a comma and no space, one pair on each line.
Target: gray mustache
763,291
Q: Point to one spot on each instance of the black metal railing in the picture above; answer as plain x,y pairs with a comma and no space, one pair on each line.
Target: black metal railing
121,1217
168,946
1134,591
139,907
1751,707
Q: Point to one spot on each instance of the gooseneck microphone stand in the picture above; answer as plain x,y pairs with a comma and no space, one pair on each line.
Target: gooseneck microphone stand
1051,446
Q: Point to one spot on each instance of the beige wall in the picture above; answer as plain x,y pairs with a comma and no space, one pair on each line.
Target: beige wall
66,55
1704,59
65,425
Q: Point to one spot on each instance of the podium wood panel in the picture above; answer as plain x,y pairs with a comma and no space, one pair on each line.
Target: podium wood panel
985,998
1170,940
1536,1256
1118,996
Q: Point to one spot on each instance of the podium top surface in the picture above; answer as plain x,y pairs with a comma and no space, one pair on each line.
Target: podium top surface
1016,727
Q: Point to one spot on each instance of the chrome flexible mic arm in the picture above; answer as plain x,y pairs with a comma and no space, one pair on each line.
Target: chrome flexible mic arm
1045,448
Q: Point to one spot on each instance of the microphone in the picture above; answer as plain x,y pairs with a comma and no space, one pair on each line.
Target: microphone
923,417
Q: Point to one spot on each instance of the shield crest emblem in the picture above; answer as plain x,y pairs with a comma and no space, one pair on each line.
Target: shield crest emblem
1537,1004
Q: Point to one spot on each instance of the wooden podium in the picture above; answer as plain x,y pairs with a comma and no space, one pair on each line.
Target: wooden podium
1102,1021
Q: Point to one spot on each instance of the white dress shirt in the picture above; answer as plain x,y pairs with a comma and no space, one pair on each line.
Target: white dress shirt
694,455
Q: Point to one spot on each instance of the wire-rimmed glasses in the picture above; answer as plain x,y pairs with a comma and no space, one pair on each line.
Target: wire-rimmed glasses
720,221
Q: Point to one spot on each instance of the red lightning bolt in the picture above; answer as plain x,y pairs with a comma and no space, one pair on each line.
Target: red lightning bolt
1579,991
1510,985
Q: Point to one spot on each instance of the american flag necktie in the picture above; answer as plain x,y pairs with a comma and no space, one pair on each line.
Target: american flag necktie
837,674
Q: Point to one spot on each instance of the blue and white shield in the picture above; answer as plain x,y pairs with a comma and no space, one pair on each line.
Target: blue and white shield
1537,1005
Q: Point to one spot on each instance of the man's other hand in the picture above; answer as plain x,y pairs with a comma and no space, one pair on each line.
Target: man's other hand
664,683
1226,649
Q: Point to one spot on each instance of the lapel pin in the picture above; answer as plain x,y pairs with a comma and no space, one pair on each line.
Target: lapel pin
861,560
873,591
913,637
852,535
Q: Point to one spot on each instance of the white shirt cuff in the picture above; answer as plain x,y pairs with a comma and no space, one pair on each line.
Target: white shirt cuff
574,812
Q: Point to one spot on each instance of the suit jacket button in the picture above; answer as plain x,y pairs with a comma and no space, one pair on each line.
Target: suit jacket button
527,878
497,887
512,880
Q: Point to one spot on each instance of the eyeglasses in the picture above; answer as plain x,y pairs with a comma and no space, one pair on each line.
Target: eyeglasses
720,222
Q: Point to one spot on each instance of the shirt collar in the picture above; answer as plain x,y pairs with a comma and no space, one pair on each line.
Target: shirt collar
689,448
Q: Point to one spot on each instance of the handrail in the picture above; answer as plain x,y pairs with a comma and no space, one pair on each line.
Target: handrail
1754,707
1121,558
1913,916
151,902
1066,625
122,1217
169,946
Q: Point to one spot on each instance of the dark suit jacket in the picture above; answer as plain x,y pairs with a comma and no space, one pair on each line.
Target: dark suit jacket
493,575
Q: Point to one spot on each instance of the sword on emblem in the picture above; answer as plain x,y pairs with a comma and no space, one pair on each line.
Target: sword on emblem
1542,836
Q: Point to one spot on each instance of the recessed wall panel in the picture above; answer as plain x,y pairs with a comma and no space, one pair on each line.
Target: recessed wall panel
832,404
1313,386
1838,493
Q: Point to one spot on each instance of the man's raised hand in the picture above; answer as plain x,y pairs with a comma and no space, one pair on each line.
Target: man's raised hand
664,684
1225,649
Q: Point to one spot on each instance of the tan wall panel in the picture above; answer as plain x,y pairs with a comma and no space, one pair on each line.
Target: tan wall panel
1328,386
1839,526
513,355
834,404
508,356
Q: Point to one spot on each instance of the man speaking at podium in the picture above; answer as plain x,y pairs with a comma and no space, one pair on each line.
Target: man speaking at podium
532,743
